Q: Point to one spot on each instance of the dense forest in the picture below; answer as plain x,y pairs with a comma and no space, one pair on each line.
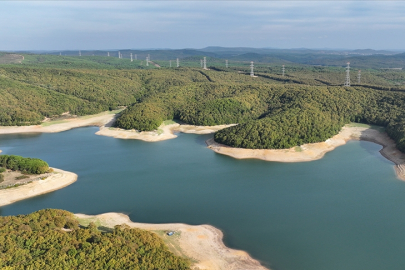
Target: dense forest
308,104
52,239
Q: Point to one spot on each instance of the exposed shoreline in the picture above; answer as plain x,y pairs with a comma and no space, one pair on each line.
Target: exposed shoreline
164,132
59,179
100,119
105,121
314,151
201,243
306,152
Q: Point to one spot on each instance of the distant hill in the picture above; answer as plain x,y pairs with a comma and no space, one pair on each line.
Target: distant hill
139,54
360,59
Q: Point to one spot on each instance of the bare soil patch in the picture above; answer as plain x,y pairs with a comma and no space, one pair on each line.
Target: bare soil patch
11,58
56,180
17,178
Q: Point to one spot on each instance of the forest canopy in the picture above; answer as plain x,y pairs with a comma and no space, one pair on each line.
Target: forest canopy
52,239
306,105
25,165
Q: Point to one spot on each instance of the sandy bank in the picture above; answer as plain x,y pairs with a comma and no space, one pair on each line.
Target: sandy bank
314,151
59,179
202,243
164,132
101,119
105,121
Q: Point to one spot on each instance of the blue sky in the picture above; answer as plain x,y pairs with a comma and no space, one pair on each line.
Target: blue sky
64,25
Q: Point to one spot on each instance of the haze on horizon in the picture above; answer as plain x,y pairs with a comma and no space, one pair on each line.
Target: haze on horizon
101,25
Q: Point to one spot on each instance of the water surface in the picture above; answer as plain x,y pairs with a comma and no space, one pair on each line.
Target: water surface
345,211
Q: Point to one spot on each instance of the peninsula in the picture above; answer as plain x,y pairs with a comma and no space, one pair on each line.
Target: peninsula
56,180
202,244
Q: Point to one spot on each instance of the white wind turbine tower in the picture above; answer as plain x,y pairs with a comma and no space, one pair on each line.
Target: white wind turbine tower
178,63
131,58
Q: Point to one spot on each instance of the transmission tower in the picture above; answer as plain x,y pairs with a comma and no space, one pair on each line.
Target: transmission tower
131,58
358,76
251,69
108,54
226,63
119,54
283,69
80,53
147,61
177,61
205,62
347,82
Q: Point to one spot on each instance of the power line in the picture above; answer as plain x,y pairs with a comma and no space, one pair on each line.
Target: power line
347,82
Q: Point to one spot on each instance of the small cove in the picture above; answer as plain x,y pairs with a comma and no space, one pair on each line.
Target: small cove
344,211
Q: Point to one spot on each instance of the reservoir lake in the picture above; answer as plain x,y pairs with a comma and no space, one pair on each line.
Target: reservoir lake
345,211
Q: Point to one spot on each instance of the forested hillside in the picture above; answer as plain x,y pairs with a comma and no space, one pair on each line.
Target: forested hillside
364,59
306,105
52,239
27,95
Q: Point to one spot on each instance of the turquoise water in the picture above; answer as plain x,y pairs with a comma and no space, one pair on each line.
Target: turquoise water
345,211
